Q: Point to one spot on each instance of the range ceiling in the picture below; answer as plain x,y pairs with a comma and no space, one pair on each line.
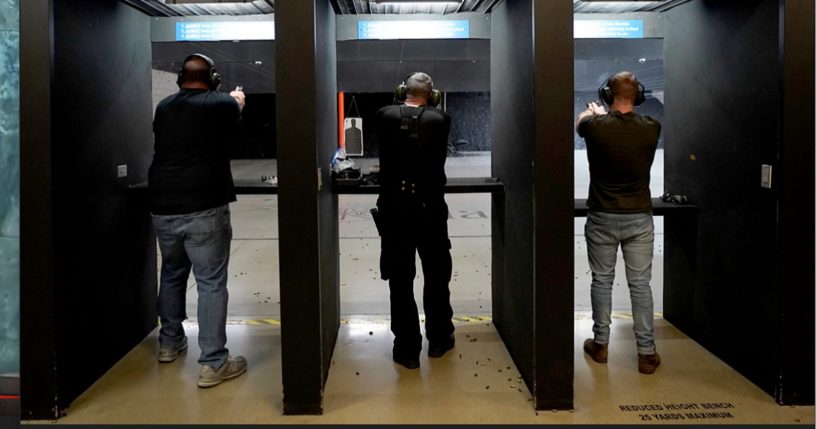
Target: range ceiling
372,7
202,7
613,7
368,7
596,59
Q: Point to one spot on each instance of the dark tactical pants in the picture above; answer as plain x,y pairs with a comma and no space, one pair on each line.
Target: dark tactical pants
414,227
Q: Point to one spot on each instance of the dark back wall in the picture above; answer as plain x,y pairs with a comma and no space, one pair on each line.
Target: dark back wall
470,121
723,87
249,63
380,65
104,266
363,65
596,59
257,130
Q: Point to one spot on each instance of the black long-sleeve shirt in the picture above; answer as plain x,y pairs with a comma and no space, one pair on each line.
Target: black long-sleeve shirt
419,162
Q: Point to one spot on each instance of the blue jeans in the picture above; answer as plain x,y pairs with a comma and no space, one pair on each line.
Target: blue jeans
200,241
636,234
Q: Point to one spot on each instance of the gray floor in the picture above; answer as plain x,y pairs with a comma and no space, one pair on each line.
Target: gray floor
476,383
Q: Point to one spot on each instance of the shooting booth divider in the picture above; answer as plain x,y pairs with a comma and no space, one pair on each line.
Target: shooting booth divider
88,255
741,281
308,222
532,222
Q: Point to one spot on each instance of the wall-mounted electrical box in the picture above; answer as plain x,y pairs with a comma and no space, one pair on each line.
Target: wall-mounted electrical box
766,176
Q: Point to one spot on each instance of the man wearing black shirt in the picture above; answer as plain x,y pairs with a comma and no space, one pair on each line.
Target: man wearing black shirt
191,186
621,147
413,142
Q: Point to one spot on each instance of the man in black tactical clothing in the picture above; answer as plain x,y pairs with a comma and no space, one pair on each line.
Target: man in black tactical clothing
413,216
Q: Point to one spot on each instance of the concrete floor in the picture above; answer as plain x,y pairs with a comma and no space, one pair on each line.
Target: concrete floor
476,382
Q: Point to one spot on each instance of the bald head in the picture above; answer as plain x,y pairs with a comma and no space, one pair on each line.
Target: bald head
196,71
624,86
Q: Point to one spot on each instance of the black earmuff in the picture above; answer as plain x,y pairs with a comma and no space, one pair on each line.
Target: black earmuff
401,92
606,93
214,78
434,99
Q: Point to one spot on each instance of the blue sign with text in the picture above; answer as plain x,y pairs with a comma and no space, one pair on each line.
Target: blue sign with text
608,29
189,31
413,29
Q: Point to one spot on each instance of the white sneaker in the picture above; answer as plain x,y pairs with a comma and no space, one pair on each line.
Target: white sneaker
233,367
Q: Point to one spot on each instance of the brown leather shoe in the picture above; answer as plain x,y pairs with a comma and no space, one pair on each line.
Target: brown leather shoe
648,363
596,351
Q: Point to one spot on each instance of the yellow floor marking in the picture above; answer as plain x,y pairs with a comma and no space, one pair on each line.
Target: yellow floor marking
381,320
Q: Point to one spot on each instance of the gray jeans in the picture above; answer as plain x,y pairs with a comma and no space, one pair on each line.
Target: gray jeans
635,233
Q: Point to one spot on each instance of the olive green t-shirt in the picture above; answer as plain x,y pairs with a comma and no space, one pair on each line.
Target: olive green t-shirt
620,150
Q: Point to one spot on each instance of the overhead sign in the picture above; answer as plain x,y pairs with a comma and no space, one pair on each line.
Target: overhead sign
411,29
192,31
608,29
